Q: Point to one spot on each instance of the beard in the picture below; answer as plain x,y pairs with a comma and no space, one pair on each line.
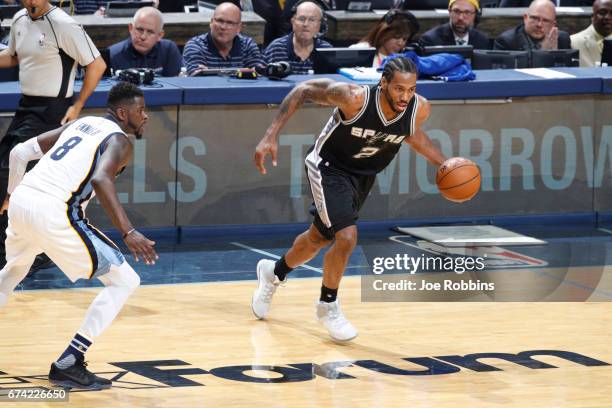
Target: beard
461,30
138,133
392,104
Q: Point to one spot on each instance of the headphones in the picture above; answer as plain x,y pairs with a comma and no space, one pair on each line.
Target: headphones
322,6
275,70
394,14
476,4
136,76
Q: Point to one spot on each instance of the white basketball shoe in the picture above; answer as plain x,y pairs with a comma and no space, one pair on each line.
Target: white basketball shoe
331,317
267,283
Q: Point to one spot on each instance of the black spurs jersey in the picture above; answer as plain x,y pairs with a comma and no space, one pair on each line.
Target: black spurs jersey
367,143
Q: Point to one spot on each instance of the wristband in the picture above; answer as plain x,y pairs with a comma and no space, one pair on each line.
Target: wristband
128,233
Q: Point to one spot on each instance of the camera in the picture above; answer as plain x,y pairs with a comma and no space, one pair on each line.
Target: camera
275,70
136,76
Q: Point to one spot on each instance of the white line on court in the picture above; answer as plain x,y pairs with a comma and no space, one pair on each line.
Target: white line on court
259,251
605,230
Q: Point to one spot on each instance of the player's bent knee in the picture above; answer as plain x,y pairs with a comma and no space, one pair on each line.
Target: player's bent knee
134,281
130,277
346,239
122,275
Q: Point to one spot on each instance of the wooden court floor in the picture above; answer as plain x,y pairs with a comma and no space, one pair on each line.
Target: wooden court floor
198,345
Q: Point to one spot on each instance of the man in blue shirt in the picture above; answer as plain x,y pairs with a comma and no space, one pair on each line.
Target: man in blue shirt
146,48
223,46
297,47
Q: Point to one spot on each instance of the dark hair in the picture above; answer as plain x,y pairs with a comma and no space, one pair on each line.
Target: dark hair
398,64
121,93
396,23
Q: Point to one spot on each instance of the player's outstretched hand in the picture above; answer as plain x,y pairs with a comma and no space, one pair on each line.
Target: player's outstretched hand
5,204
266,146
141,247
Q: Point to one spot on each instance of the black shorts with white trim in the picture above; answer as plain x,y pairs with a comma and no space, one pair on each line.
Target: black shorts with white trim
338,196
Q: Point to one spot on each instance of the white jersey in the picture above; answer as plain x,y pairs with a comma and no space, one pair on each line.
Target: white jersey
49,49
46,209
65,171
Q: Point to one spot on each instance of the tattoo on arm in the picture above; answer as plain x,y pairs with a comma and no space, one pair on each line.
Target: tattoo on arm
311,90
329,93
321,91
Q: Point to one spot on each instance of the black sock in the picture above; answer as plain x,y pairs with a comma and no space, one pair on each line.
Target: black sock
281,269
328,295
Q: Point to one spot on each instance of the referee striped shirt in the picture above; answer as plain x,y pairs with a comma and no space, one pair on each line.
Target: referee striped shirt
281,49
202,50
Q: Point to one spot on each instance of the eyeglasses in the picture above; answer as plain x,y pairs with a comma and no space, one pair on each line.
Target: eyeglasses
603,13
226,23
459,13
538,19
309,20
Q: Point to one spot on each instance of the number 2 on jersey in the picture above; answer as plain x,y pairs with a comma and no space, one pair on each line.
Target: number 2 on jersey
366,152
65,148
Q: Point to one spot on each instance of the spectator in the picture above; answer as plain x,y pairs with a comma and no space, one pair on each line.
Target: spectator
146,48
538,31
460,28
297,47
223,46
288,6
390,35
590,41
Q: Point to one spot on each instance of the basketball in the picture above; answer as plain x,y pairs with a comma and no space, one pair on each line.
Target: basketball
458,179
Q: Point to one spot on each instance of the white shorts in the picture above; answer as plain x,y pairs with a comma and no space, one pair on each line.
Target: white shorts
39,223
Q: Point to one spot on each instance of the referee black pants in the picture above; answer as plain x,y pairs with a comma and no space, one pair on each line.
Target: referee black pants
34,115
